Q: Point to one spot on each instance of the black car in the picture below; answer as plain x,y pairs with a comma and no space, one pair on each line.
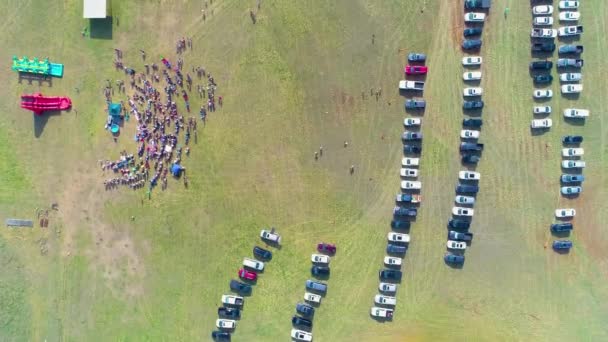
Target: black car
319,271
471,44
239,287
459,224
472,104
398,224
395,249
301,322
467,146
572,139
467,189
261,253
415,103
220,335
472,31
561,227
472,122
387,274
412,149
543,47
305,310
470,159
232,313
541,65
545,78
453,258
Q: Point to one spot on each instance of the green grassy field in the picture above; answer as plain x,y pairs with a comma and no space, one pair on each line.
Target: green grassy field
291,83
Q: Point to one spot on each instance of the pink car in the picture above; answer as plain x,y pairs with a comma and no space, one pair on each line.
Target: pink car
244,274
416,70
326,248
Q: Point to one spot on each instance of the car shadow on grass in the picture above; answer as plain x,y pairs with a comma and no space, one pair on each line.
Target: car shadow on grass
539,131
381,319
575,122
571,96
561,251
272,244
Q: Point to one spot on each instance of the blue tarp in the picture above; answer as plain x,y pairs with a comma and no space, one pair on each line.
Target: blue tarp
114,109
176,170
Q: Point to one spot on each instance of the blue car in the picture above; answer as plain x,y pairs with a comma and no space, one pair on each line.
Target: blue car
239,287
416,57
413,149
561,227
316,286
261,253
453,258
568,178
572,139
562,244
387,274
395,249
301,322
398,224
467,189
319,271
305,310
459,224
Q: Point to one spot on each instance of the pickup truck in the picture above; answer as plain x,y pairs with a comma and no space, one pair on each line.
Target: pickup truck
569,63
468,146
408,198
411,85
454,235
475,4
232,300
576,49
401,211
415,103
543,33
570,31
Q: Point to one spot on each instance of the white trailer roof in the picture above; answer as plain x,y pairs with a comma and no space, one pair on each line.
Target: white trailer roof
94,9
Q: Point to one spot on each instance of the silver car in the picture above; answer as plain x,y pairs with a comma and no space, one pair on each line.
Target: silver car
571,190
464,199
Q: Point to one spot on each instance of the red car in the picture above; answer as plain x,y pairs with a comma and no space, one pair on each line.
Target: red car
244,274
326,248
415,70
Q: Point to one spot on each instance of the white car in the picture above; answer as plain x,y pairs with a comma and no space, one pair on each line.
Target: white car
542,109
387,287
469,175
270,236
570,77
408,122
573,164
410,161
543,93
456,244
254,264
541,123
474,17
392,261
469,134
573,152
472,91
471,60
385,300
311,297
568,4
544,9
542,21
464,199
411,185
567,212
232,300
381,312
568,31
471,76
405,172
225,323
569,16
319,259
398,237
301,335
576,113
462,211
572,88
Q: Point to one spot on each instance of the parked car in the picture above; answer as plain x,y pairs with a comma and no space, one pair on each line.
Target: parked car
571,88
573,164
416,69
382,312
320,259
385,300
456,244
217,335
411,85
569,178
319,271
231,313
561,227
569,16
232,300
568,31
398,237
271,236
471,147
472,105
415,103
403,211
573,49
387,287
570,77
472,31
475,4
471,61
253,264
474,17
408,198
543,93
316,286
472,91
261,253
543,21
225,324
411,136
392,261
471,44
462,211
329,248
464,199
562,244
301,335
301,322
400,224
454,235
412,122
388,275
571,190
411,185
542,110
541,65
469,134
453,258
305,310
467,189
244,274
469,175
572,139
413,149
395,249
542,10
541,123
416,57
575,113
311,297
405,172
573,152
459,224
570,63
567,212
543,33
568,5
543,47
471,75
472,122
470,158
542,79
240,288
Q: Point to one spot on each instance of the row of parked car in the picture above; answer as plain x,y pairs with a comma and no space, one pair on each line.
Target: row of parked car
315,290
232,304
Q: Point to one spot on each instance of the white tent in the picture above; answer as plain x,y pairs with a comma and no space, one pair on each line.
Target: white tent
95,9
